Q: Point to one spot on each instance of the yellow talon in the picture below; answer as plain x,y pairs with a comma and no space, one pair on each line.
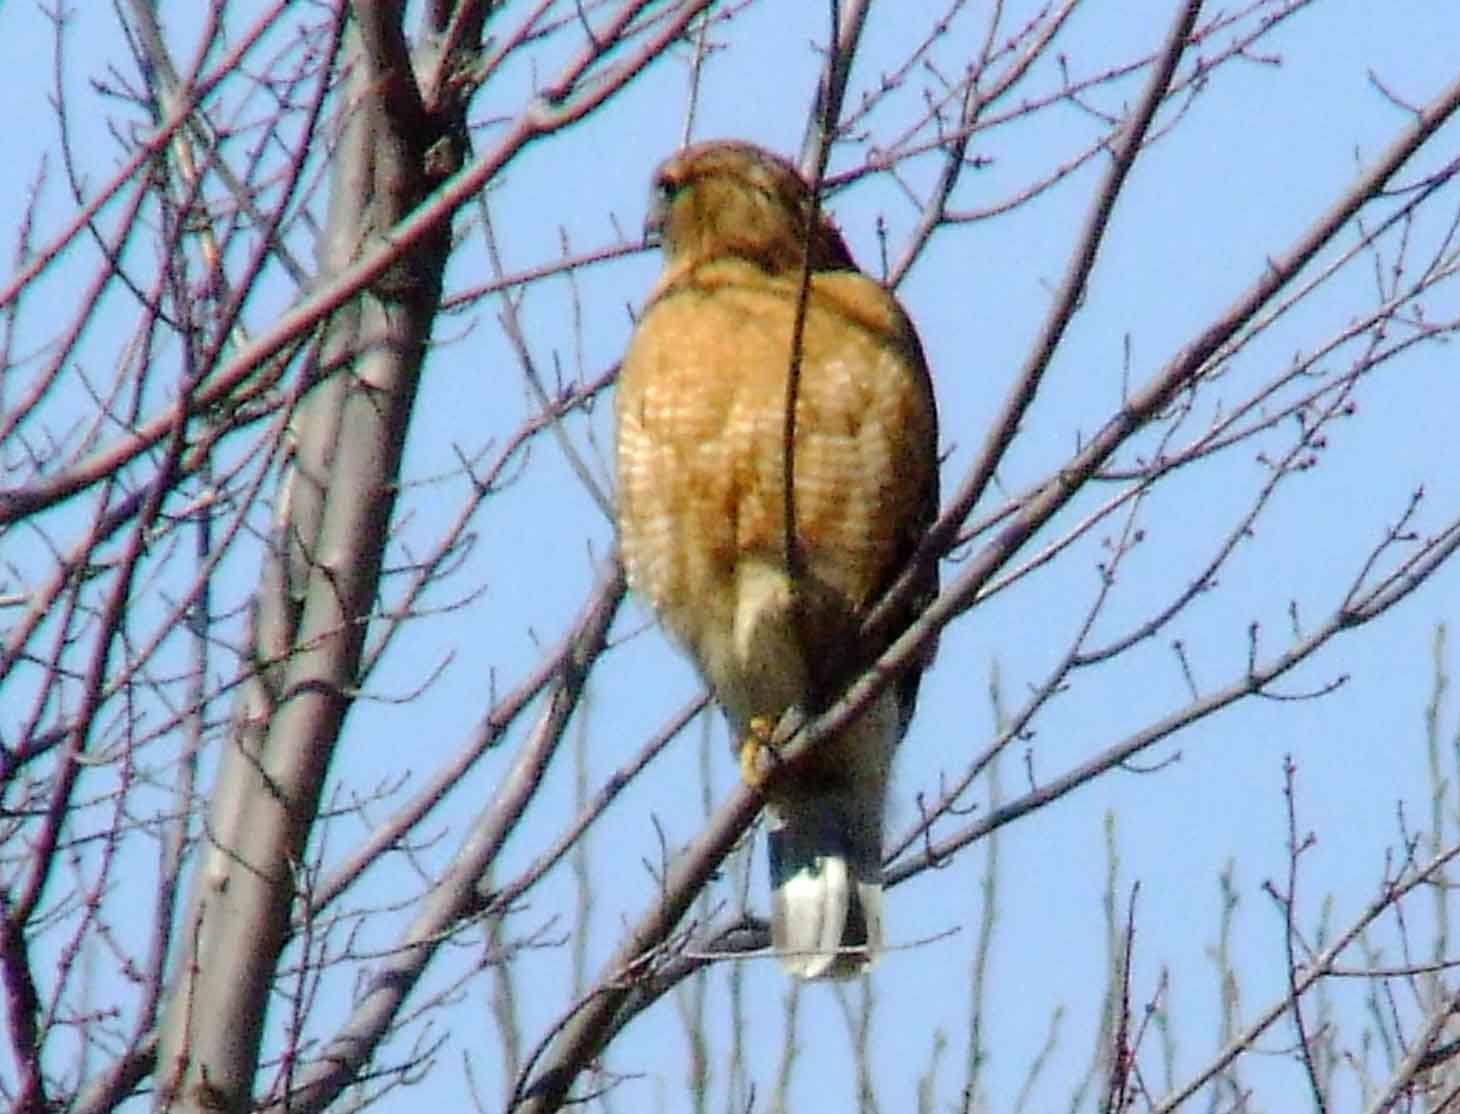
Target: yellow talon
757,756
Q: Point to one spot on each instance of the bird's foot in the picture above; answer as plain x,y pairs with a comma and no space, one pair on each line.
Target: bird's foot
757,756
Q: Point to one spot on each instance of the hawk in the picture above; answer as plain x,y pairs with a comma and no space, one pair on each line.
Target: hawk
703,524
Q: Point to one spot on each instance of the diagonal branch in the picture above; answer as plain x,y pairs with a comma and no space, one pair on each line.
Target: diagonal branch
602,1012
457,896
1067,300
552,111
1349,615
1321,967
1184,368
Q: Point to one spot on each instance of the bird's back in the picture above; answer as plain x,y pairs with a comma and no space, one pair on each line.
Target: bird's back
702,406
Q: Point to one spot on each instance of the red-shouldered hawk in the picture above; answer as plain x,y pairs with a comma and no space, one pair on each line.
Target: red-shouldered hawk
702,399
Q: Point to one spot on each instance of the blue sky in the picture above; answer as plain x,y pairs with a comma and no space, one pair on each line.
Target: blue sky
1261,152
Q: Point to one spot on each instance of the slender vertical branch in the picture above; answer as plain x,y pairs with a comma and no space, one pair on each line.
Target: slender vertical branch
848,17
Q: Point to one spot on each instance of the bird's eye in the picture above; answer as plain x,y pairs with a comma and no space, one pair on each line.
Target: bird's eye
661,196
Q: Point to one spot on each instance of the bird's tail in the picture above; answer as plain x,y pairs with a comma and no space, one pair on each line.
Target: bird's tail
826,882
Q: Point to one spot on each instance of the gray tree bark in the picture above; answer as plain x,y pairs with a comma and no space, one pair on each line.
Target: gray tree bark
317,589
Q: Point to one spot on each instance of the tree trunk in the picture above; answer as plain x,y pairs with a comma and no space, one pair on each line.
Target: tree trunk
333,512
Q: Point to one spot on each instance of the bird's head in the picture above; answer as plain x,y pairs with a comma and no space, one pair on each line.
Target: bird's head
726,198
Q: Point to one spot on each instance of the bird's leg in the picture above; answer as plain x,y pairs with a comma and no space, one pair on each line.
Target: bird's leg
757,756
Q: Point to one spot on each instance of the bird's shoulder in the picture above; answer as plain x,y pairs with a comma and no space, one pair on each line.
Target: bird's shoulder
739,286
